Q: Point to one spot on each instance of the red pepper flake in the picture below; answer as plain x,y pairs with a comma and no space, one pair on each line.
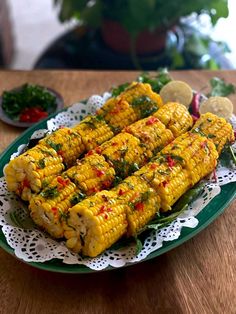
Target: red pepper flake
109,209
139,206
93,190
153,166
106,184
99,172
101,210
114,144
151,120
60,153
121,192
89,153
98,150
215,176
170,161
33,114
63,182
204,144
26,183
106,216
54,210
164,183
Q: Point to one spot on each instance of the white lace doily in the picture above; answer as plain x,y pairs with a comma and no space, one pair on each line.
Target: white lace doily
32,245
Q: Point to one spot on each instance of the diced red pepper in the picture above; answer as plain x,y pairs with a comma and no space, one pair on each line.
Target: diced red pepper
151,120
170,161
106,216
63,182
25,183
54,210
89,153
139,206
204,144
106,184
153,166
98,150
121,192
99,172
164,183
32,114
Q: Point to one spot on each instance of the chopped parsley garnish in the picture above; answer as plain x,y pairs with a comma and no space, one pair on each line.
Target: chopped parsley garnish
76,198
55,146
50,192
14,102
41,163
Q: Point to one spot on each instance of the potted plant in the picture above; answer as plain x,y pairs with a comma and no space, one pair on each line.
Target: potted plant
139,27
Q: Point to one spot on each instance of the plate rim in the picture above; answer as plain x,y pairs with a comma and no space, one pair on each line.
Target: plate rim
82,269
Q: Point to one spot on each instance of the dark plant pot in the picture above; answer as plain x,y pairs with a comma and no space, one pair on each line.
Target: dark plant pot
118,39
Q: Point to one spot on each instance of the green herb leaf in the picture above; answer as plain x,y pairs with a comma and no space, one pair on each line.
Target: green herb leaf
50,192
76,198
220,88
139,245
227,156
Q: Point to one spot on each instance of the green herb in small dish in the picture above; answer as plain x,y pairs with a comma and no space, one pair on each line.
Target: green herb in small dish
28,103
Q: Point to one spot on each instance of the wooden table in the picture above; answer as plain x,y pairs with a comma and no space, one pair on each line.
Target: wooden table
197,277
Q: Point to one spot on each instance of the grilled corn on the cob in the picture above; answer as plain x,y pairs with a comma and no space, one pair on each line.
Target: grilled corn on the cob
180,165
30,172
67,143
96,223
142,200
175,117
91,174
93,131
152,134
136,102
215,128
51,205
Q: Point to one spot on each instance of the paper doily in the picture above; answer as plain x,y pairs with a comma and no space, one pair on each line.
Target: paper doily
32,245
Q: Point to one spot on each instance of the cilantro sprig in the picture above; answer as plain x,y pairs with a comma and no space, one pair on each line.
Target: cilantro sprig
220,88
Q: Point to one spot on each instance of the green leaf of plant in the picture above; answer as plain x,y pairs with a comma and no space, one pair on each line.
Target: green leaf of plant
220,88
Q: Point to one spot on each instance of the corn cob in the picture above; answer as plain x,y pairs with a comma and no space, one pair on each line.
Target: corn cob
136,102
67,143
91,174
143,202
196,152
168,183
95,224
175,117
49,207
125,153
179,166
30,172
152,134
215,128
94,131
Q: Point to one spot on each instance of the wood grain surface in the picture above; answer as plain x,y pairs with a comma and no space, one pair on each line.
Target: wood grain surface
197,277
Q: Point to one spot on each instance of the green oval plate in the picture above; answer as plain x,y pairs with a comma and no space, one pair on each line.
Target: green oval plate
205,217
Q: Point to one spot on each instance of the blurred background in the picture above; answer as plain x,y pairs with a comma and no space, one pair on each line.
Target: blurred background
118,34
